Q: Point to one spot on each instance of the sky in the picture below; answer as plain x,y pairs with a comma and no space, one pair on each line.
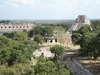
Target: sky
48,9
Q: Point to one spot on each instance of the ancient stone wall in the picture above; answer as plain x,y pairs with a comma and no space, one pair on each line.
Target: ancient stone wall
15,28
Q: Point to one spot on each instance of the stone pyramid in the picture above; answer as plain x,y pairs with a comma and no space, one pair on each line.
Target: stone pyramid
80,21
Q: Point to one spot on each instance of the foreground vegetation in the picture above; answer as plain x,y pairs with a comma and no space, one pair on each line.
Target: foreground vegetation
16,51
89,41
15,59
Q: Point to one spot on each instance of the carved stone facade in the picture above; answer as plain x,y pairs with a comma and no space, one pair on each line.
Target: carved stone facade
8,28
80,21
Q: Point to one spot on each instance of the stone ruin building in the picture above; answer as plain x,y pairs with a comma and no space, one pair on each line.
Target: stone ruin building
8,28
80,21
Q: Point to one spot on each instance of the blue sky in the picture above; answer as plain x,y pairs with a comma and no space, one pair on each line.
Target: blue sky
48,9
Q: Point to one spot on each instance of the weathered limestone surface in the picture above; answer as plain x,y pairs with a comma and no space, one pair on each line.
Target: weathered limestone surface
76,68
80,21
7,28
45,51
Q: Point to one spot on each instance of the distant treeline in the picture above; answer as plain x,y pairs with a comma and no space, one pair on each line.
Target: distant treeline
5,21
64,25
39,21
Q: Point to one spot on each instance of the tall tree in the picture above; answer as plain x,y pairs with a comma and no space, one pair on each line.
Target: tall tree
58,51
45,68
38,38
87,40
38,30
47,31
9,35
84,29
95,25
76,38
20,36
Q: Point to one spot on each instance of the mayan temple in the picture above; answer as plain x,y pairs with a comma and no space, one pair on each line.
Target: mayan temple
80,21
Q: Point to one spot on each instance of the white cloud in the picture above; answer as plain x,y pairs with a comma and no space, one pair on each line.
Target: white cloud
28,2
52,7
15,5
53,4
12,4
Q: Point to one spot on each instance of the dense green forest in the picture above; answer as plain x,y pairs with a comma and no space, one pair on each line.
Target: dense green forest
89,39
16,51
